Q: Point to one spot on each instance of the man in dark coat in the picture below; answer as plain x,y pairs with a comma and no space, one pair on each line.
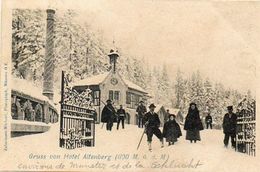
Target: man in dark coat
208,121
152,124
171,130
121,116
229,127
108,115
141,110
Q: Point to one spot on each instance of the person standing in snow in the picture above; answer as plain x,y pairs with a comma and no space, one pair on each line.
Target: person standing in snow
120,116
152,124
171,130
208,121
108,115
166,117
229,127
193,124
141,110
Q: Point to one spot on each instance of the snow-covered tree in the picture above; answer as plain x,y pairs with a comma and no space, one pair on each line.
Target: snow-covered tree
28,40
179,88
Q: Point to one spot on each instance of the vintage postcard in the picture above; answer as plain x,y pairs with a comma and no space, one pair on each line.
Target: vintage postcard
129,85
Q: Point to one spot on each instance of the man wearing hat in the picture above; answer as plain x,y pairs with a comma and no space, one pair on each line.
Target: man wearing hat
229,126
152,123
141,110
108,115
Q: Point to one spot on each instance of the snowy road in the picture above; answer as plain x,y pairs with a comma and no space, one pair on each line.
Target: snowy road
210,151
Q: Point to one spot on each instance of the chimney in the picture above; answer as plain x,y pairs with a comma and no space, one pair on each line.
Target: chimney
49,56
113,55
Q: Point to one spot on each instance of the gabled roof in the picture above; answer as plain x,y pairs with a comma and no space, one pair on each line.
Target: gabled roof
94,80
98,79
171,110
133,85
158,107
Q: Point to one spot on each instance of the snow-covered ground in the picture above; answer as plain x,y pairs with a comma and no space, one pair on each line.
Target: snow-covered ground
210,151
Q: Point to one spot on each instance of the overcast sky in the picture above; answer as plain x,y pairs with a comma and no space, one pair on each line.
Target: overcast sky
221,39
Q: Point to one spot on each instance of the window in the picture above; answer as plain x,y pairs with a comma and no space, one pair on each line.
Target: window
96,98
114,96
128,98
132,100
111,97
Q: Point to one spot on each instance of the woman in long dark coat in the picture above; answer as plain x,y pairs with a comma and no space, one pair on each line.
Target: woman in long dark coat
193,124
171,130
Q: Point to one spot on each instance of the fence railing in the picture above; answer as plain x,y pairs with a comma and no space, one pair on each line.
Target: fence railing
246,128
77,124
78,127
25,107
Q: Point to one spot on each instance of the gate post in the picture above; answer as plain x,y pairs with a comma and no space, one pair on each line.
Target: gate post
61,107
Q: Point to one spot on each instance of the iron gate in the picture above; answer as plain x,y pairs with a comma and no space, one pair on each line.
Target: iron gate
77,124
246,127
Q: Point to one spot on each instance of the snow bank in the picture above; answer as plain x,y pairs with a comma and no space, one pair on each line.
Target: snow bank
13,121
210,151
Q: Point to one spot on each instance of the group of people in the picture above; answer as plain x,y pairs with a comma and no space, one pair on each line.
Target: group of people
171,129
110,115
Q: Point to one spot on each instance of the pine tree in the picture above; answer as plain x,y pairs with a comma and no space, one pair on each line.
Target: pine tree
208,96
179,88
28,43
163,86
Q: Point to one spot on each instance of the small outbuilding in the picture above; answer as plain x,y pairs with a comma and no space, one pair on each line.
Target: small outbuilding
163,113
111,85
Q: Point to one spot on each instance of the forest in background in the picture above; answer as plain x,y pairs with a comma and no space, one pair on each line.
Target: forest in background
82,51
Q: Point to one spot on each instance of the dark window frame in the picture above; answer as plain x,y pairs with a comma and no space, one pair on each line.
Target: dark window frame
96,98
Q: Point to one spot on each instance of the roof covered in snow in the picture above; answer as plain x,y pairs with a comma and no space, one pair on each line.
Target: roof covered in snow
158,107
171,110
133,85
29,88
94,80
98,79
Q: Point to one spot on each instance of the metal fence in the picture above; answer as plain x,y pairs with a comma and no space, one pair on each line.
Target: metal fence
246,128
77,124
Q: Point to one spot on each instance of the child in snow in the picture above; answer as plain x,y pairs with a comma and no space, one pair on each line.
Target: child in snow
171,130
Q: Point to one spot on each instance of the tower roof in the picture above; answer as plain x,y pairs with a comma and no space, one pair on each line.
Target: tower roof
113,52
